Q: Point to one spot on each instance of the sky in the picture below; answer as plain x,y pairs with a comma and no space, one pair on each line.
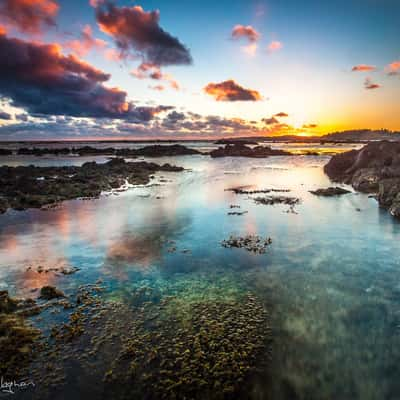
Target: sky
80,69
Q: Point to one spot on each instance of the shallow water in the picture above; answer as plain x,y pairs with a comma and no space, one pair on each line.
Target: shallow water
330,280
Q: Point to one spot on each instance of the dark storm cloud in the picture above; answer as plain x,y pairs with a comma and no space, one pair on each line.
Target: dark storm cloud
40,79
137,31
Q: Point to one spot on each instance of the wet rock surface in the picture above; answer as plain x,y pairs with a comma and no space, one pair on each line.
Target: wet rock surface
50,292
329,192
373,169
241,150
245,190
252,243
34,187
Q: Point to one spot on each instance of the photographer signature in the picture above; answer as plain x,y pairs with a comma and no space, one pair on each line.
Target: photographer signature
11,386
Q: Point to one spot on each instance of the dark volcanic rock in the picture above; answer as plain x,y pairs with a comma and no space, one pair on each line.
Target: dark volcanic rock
5,152
331,191
29,186
240,150
373,169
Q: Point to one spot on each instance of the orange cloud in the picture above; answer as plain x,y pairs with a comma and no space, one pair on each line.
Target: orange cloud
230,91
363,68
369,85
393,68
29,16
310,126
86,43
3,30
282,115
246,32
274,46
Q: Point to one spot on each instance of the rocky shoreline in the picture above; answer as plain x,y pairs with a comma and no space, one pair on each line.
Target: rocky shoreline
147,151
35,187
373,169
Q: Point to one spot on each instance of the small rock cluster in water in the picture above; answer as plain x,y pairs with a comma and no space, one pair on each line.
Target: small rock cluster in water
252,243
272,200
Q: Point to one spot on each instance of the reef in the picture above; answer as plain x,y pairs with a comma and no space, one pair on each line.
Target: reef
373,169
272,200
5,152
236,141
329,192
148,151
50,292
203,349
243,190
34,187
252,243
17,338
241,150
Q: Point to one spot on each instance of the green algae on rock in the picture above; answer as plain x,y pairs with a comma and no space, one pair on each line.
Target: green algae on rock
206,349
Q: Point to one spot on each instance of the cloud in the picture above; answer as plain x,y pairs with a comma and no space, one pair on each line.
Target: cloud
137,31
274,46
245,32
231,91
29,16
281,115
393,68
369,85
5,115
153,71
85,43
40,79
363,68
310,126
270,121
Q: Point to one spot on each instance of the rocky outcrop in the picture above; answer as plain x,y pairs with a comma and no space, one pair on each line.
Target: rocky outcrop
373,169
5,152
148,151
329,192
241,150
33,187
160,151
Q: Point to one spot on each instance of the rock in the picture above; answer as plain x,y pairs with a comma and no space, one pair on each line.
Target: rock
50,292
252,243
7,304
241,150
272,200
373,169
331,191
35,187
236,141
160,151
5,152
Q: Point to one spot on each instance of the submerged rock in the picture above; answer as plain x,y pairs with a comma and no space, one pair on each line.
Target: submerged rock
331,191
373,169
241,150
50,292
204,349
272,200
253,243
